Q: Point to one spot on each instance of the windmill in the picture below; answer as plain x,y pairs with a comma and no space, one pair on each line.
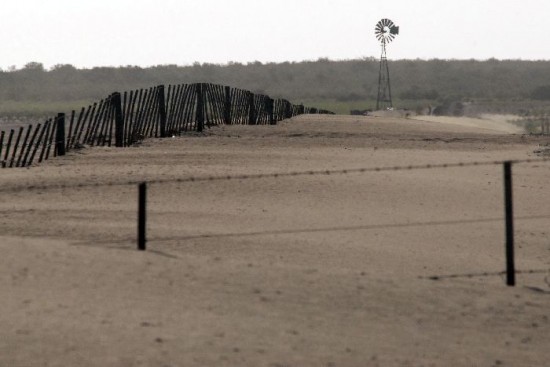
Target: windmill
385,32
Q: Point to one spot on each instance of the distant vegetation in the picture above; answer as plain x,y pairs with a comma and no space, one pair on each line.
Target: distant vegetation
492,85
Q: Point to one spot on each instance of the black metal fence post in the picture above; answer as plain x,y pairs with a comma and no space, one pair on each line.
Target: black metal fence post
162,110
142,216
509,210
60,135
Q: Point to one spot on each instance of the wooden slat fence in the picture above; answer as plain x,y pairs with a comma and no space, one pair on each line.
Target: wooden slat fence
125,119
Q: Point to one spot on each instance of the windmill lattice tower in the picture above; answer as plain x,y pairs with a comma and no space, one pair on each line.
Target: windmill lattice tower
385,32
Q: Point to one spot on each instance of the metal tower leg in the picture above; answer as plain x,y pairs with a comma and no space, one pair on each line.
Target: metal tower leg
384,99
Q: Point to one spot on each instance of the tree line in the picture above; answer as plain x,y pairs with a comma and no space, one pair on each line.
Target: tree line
413,81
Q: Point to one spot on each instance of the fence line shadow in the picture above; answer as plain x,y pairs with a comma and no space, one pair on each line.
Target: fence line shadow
312,230
484,274
341,229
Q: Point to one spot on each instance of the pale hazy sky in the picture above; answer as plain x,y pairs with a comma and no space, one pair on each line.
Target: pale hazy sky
89,33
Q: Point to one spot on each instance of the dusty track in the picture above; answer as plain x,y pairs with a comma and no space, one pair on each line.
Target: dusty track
302,271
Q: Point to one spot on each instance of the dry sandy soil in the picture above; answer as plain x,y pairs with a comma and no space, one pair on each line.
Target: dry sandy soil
375,269
490,123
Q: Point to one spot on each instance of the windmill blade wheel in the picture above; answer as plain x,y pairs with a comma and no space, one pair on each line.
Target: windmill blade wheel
386,31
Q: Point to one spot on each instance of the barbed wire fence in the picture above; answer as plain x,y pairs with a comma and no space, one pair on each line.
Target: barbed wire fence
142,185
274,175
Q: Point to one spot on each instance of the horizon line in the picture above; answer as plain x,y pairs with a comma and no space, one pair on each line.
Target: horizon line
12,68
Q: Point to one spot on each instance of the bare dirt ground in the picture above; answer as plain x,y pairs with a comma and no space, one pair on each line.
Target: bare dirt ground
375,269
493,123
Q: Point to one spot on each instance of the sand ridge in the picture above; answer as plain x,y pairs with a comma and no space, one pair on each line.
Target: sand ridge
497,124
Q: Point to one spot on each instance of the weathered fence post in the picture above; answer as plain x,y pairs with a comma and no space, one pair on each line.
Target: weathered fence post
70,134
60,135
2,145
162,110
39,142
29,146
142,216
251,109
24,146
116,100
6,157
227,106
270,110
200,106
509,210
16,146
288,109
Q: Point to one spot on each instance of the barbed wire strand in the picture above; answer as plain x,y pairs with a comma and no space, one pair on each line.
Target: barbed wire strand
275,175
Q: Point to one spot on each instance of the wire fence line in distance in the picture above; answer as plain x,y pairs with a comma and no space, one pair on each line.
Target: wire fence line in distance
275,175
